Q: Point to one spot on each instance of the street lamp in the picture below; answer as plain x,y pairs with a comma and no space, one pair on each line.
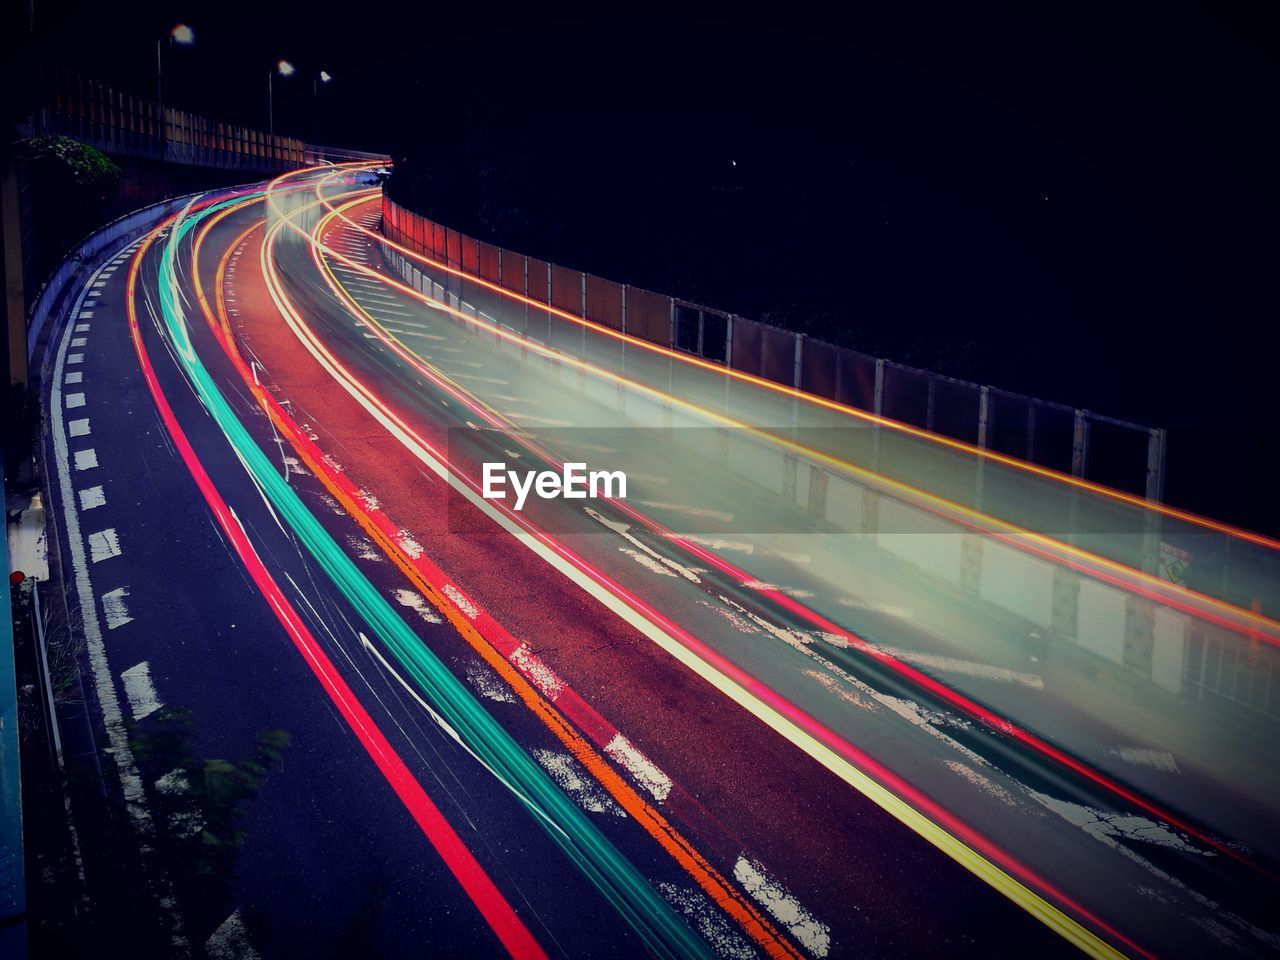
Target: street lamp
285,69
322,77
180,34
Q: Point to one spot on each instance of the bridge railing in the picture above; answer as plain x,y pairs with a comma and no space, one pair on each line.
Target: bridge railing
1052,435
121,123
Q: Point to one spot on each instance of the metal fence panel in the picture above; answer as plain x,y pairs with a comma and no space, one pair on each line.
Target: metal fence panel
649,316
513,271
818,364
470,255
688,327
488,267
748,336
778,362
856,379
1012,425
453,248
715,335
906,394
1113,449
604,302
566,290
953,408
538,280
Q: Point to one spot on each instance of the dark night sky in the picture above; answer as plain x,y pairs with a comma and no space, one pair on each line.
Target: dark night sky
1075,204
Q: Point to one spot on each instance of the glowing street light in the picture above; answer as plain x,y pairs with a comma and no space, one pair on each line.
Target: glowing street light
324,76
285,69
180,34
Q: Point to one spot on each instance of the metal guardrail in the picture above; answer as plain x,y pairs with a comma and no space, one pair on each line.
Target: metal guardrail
317,154
113,234
1116,453
120,123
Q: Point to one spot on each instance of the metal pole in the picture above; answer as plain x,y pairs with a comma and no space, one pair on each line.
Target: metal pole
1080,444
44,664
160,84
984,415
1155,464
271,115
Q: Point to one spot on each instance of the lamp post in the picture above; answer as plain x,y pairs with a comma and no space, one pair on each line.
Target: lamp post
285,69
181,34
318,80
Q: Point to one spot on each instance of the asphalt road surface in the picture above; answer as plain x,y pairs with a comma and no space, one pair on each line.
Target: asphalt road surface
815,687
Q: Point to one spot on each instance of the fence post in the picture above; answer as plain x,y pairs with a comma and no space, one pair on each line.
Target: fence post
1031,431
984,415
728,342
1080,444
1156,439
877,406
799,360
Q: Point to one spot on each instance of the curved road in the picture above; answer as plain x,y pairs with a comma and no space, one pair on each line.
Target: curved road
792,696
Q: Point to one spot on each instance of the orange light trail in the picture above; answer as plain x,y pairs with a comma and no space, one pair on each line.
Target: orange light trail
1023,465
1246,622
975,843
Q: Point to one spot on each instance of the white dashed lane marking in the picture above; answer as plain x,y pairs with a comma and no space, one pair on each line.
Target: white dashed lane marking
86,459
104,545
75,358
114,608
74,400
91,497
74,377
78,428
79,341
143,700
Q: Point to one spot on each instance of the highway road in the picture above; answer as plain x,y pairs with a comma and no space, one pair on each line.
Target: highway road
817,686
